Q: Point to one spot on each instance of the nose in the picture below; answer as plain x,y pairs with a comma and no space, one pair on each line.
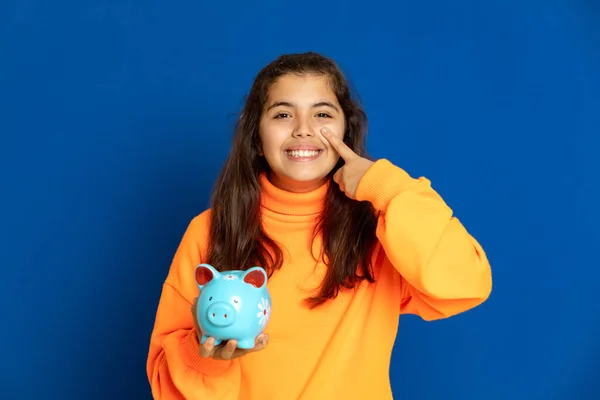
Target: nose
303,129
221,314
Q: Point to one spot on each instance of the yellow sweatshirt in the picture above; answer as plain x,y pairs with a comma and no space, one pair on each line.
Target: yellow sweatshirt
426,264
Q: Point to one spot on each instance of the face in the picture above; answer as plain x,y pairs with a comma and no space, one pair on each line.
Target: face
297,108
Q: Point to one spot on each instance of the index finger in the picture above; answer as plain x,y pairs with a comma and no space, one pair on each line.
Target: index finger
338,145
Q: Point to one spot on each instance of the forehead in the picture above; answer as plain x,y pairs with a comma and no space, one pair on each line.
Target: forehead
298,87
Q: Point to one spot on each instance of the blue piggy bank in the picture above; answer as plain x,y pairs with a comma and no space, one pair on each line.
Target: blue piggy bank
233,304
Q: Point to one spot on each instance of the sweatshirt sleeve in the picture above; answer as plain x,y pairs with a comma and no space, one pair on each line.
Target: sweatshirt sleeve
174,366
444,270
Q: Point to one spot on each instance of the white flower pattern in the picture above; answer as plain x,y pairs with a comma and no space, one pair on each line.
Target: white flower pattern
265,311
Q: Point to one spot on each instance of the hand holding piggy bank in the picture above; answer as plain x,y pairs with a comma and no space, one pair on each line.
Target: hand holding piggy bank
233,305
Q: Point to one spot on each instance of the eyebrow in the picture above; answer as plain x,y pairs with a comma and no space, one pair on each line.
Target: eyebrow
288,104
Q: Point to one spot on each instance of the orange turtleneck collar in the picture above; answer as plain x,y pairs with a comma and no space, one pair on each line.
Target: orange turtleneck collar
289,203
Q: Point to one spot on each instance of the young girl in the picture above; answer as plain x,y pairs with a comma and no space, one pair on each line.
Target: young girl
349,244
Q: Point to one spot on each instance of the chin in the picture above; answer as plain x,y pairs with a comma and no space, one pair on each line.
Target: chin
306,174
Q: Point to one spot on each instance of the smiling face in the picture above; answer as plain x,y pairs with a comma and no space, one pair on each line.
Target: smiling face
298,106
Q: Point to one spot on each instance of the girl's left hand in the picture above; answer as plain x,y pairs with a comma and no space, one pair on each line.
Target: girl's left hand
350,174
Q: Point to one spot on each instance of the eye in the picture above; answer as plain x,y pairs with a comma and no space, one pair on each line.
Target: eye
323,115
236,301
210,298
282,115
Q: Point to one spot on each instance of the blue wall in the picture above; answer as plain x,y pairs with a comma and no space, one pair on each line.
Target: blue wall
116,116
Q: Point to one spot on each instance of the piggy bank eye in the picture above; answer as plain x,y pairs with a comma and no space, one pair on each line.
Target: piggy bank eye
210,298
236,301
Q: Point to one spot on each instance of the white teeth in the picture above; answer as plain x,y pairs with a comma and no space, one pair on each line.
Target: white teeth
303,153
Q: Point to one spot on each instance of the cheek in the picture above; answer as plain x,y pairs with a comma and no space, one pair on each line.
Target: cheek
337,127
338,132
270,151
272,139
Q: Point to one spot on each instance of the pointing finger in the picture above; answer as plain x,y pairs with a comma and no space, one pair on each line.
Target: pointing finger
338,145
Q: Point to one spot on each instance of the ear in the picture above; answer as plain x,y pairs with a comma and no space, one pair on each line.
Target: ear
204,274
256,276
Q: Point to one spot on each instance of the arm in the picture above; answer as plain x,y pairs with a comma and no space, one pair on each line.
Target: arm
175,368
444,269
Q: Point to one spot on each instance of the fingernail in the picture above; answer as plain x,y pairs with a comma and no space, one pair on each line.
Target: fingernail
325,131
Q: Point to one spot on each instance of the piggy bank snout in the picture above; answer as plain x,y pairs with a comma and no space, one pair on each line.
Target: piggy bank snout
221,314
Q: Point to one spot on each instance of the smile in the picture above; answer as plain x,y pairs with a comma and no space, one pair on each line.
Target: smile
303,153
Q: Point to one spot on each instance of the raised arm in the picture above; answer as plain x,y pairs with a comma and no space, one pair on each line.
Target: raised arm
444,270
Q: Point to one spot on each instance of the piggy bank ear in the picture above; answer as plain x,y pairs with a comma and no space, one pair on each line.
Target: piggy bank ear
256,276
204,274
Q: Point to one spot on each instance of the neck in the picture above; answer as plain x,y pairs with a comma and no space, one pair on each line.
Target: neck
309,201
292,186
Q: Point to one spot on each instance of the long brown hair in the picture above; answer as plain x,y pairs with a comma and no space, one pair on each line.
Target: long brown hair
237,239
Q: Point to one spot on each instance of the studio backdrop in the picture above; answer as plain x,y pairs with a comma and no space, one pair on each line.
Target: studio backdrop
116,116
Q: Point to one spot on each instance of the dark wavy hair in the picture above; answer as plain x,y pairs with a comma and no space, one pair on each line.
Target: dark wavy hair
237,239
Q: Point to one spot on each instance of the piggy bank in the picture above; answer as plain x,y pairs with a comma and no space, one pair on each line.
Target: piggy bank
233,304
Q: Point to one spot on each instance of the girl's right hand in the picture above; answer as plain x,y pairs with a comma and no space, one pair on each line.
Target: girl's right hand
226,350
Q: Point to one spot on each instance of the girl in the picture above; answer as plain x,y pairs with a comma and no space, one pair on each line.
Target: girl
349,244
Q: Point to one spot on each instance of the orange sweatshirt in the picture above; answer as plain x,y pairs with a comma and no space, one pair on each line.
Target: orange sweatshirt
427,264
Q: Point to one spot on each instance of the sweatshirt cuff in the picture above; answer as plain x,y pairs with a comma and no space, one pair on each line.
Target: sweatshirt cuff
191,357
382,181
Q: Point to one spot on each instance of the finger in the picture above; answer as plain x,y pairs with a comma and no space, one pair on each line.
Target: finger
207,348
261,341
342,187
227,351
338,145
337,176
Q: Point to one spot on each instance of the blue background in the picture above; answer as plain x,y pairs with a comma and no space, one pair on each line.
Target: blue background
117,115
